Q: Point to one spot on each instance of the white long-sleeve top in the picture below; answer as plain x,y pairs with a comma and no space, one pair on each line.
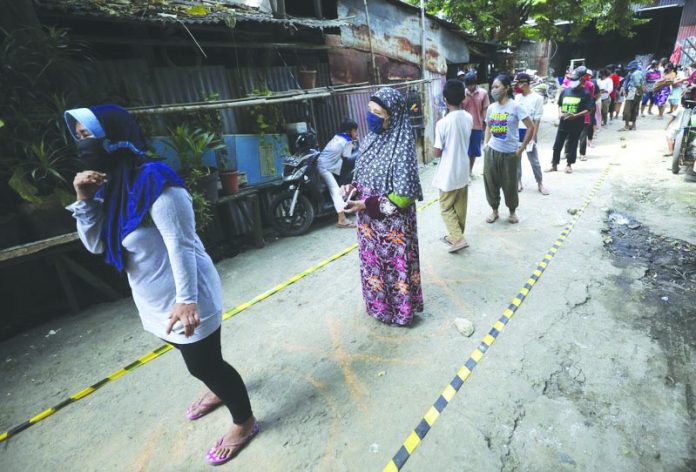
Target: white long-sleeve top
165,261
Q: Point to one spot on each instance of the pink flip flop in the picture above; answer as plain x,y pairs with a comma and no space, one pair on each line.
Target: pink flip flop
213,459
204,409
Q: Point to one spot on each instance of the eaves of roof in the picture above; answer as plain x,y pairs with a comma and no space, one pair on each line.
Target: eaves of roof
177,11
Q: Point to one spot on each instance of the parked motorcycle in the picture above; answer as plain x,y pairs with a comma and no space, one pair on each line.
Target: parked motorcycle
685,142
305,195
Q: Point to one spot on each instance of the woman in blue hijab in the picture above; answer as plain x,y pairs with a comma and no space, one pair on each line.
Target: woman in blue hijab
137,212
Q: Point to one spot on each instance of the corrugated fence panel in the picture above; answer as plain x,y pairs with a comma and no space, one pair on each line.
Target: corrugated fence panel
191,84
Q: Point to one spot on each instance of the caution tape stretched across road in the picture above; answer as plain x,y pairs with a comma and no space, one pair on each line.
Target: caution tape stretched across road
150,356
433,413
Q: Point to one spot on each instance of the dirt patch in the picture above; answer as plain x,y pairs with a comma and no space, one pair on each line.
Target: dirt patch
668,293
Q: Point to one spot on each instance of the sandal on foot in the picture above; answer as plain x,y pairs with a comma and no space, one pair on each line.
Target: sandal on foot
199,408
350,224
446,240
492,218
235,448
569,170
513,219
457,246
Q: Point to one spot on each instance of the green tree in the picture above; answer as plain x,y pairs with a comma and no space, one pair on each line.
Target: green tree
510,21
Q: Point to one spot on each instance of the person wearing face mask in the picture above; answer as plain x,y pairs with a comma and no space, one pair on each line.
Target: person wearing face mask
385,189
502,148
137,212
574,103
533,103
476,103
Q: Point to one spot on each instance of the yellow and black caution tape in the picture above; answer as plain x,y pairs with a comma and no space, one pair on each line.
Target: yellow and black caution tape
150,356
431,416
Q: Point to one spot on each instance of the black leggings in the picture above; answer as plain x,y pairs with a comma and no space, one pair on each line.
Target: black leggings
204,361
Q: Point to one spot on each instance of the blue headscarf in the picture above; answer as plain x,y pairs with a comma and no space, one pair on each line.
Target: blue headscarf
136,182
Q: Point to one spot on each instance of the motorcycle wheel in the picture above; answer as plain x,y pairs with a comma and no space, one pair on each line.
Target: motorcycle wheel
678,143
297,224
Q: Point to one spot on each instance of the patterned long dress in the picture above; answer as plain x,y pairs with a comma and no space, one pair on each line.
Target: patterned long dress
389,264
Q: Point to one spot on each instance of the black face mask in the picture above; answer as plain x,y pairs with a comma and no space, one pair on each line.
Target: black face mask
92,155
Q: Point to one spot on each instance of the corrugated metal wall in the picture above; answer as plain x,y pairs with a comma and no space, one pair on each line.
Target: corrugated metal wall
132,83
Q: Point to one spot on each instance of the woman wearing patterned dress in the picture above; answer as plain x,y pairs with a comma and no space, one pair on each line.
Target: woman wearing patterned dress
387,186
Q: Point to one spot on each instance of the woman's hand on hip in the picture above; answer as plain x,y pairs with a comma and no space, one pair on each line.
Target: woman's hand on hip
87,182
354,206
187,313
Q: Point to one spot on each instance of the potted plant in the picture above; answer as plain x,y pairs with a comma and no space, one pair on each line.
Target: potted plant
190,147
307,78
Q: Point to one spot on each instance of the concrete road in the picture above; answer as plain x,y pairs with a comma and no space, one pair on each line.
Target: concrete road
594,372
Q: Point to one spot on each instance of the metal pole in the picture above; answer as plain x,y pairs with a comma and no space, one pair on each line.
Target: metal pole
375,71
422,8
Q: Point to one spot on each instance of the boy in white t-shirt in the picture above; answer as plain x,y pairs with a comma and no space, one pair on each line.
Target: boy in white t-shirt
452,135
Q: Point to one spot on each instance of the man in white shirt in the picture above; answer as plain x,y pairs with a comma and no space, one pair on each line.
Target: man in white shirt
452,135
533,103
330,162
606,86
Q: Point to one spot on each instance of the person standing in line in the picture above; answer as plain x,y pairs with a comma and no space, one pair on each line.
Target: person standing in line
386,188
574,103
616,97
452,134
632,90
588,132
533,104
652,75
677,90
330,163
476,103
606,87
137,212
663,88
502,148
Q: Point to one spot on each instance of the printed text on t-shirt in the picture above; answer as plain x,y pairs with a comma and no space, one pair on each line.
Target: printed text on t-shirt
499,125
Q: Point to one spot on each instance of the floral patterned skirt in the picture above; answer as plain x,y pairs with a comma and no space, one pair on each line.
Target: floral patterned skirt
389,264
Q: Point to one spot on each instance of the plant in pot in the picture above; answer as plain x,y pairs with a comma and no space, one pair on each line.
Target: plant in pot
191,147
229,179
307,77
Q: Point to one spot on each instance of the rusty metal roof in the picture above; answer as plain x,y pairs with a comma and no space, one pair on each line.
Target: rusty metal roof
174,11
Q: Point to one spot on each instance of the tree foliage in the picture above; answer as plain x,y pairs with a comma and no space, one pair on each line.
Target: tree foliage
510,21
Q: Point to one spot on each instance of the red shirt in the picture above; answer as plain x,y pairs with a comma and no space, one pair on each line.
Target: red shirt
617,81
476,105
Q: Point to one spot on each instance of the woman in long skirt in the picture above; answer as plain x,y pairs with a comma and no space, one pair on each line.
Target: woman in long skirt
387,186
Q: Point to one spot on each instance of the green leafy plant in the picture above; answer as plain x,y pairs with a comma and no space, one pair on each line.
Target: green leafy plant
201,210
39,69
190,146
39,174
268,119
